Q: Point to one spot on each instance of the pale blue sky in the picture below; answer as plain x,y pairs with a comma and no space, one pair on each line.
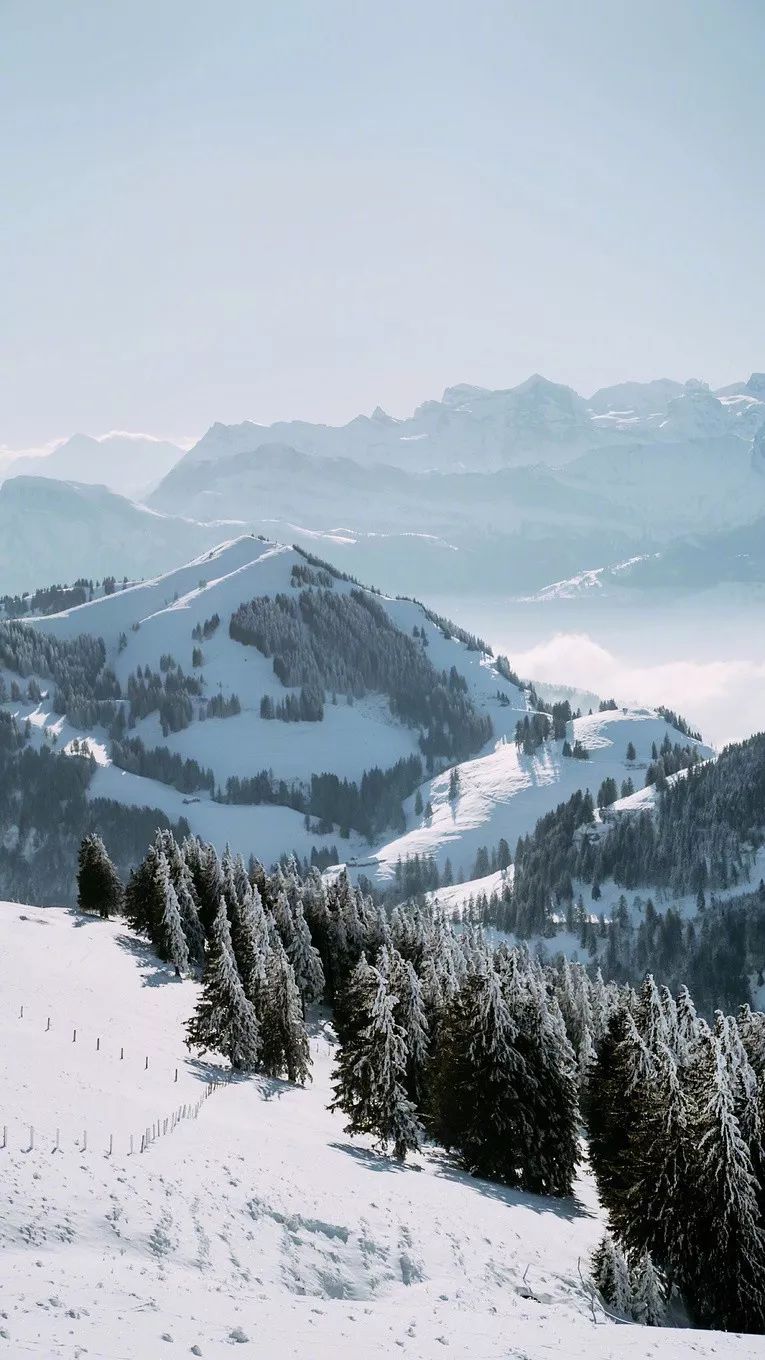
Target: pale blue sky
229,210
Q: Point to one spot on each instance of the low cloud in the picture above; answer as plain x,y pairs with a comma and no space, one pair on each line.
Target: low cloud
722,698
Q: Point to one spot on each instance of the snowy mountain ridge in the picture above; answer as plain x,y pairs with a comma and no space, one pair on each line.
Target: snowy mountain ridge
502,791
477,429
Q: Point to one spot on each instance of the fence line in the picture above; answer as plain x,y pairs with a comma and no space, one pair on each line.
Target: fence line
49,1028
160,1128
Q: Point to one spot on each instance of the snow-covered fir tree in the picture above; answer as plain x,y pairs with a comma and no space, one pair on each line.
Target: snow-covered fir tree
648,1303
370,1071
98,885
284,1042
224,1020
172,941
611,1276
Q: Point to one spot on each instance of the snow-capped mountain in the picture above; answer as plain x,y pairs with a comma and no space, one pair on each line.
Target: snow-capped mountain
131,464
470,428
476,429
59,531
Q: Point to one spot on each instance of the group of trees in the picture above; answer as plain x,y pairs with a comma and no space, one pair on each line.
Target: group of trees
487,1052
203,631
307,706
302,576
85,688
718,951
531,732
244,934
158,762
168,691
47,599
675,1109
220,707
348,644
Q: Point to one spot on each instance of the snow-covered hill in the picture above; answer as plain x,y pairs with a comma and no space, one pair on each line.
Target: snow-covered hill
257,1227
502,792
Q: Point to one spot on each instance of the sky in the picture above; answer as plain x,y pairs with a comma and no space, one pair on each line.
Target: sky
300,209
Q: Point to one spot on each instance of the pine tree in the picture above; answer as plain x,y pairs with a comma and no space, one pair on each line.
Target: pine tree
612,1105
370,1071
284,1049
172,942
305,959
144,901
224,1021
475,1107
648,1306
725,1286
98,885
547,1136
183,882
410,1014
611,1276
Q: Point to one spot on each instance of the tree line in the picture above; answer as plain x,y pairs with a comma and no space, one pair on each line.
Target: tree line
487,1052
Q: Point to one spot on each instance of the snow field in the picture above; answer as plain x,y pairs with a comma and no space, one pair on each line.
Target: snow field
261,1225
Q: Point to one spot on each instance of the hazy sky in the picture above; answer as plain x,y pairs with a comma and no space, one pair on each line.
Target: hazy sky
229,210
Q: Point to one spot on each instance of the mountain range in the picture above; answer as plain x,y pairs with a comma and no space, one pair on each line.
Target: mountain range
505,492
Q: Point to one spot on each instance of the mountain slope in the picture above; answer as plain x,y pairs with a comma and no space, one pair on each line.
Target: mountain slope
59,531
256,1225
130,464
300,784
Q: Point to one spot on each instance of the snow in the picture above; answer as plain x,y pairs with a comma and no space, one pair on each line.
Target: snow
503,793
259,1224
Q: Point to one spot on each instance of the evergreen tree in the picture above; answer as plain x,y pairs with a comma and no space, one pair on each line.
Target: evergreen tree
370,1071
648,1304
284,1041
144,901
475,1105
172,941
224,1021
98,885
612,1107
726,1286
410,1014
305,959
611,1276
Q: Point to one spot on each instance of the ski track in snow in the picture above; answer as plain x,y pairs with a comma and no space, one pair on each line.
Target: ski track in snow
259,1226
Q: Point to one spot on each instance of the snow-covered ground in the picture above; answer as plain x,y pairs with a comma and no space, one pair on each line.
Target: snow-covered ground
503,792
259,1224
